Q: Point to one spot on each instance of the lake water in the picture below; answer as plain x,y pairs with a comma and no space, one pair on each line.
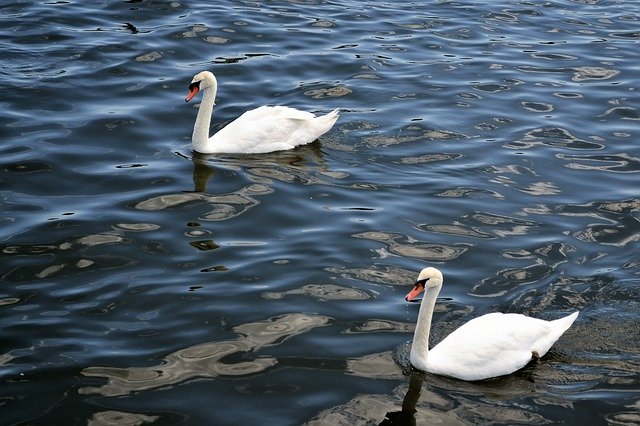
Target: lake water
141,283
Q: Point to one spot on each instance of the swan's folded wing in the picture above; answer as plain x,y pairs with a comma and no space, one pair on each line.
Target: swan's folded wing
489,346
275,113
267,129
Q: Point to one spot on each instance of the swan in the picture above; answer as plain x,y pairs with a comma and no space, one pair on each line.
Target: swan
489,346
260,130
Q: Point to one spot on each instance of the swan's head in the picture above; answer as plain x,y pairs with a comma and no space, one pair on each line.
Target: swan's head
428,278
201,81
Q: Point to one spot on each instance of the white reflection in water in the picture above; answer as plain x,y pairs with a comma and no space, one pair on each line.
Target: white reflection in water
425,251
322,292
419,135
23,273
305,165
225,206
205,359
120,418
620,163
375,366
137,227
383,274
455,230
593,73
468,192
552,137
380,325
626,233
500,225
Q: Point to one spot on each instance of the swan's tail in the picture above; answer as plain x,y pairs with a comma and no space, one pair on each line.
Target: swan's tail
563,324
325,122
557,329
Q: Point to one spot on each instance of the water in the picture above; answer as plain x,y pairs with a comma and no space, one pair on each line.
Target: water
141,283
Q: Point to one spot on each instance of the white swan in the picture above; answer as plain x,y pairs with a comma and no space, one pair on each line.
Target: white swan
488,346
264,129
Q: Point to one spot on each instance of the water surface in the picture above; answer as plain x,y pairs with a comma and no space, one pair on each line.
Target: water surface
144,284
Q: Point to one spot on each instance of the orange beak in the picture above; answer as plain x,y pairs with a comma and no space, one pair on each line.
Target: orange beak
417,289
193,90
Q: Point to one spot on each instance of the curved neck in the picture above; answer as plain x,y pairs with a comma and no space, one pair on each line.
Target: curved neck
200,135
420,345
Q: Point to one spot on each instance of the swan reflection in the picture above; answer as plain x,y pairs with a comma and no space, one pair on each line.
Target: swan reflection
304,165
407,415
430,399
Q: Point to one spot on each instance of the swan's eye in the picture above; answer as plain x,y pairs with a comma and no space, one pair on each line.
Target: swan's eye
195,85
422,283
418,288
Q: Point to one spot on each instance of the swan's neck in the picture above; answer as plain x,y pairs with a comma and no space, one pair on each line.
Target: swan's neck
200,135
420,345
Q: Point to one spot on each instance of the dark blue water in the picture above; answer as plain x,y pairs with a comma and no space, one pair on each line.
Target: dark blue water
141,283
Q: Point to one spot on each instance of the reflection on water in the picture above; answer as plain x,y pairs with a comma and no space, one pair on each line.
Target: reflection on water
421,402
120,418
321,292
381,274
417,134
205,359
376,325
375,366
425,251
553,137
202,172
76,251
621,163
407,414
225,206
305,164
429,399
619,227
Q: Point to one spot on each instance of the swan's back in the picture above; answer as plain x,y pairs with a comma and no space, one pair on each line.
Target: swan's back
271,128
494,345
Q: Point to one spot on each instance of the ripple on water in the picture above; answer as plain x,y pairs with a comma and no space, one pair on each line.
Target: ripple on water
205,359
621,163
624,113
321,292
381,274
552,137
424,251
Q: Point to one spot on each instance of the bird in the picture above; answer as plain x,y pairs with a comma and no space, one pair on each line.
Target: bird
261,130
488,346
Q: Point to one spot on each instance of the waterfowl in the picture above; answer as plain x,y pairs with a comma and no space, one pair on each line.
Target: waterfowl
489,346
260,130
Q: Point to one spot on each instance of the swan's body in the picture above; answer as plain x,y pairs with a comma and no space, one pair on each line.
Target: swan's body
488,346
264,129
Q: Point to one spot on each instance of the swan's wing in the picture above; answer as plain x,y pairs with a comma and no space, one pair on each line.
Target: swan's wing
275,113
492,345
265,129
